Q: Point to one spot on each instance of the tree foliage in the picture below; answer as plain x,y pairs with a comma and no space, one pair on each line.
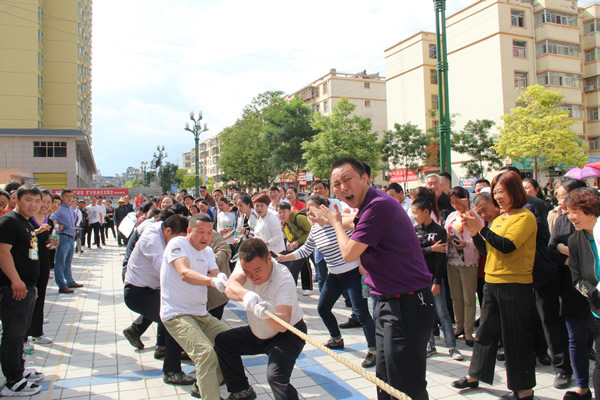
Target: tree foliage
186,180
476,142
340,135
538,128
288,125
405,147
168,176
245,155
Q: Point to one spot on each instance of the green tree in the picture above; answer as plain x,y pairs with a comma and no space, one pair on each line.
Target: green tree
245,156
538,128
406,147
288,125
186,180
168,176
476,142
135,182
340,135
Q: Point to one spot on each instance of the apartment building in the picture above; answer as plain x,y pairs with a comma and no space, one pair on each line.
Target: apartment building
45,91
208,157
496,48
366,91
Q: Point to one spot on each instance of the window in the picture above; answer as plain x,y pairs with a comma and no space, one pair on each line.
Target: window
434,102
325,106
520,79
554,47
40,82
435,124
559,79
593,114
594,143
591,26
40,59
367,103
555,17
517,18
367,85
433,76
40,14
49,149
324,88
519,49
575,110
432,51
40,36
592,83
40,105
316,108
591,55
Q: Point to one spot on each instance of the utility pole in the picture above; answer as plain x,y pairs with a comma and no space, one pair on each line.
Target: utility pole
196,129
442,76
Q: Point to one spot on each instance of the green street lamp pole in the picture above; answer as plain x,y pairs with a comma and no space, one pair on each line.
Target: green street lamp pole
196,129
442,76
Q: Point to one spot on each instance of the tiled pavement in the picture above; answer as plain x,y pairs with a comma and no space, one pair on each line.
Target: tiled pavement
90,358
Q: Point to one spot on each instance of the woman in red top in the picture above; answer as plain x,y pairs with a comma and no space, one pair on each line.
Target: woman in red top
292,195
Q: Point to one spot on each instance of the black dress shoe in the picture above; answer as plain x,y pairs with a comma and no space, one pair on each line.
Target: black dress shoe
562,381
351,323
500,355
469,342
133,338
463,383
544,359
572,395
514,396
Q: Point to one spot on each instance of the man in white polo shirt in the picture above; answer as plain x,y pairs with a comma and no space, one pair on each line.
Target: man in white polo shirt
188,267
142,288
261,283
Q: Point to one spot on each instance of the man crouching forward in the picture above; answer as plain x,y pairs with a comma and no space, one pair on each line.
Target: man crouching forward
262,284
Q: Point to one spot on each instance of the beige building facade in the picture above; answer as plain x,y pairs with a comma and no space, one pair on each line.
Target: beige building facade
495,50
45,90
208,157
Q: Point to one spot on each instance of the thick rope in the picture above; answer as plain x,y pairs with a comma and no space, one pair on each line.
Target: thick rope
380,384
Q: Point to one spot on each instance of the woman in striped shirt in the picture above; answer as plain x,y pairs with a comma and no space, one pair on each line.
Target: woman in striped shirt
342,275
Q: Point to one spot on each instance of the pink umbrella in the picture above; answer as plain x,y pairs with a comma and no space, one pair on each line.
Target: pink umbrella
583,173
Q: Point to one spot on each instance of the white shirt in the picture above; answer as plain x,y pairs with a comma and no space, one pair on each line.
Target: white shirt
78,217
226,220
143,267
279,290
94,213
179,297
268,229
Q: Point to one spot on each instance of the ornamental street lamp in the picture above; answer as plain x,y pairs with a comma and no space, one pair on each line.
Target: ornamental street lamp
144,167
196,129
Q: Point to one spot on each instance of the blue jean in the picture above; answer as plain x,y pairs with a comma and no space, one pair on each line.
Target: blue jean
62,265
332,290
16,317
320,268
578,330
444,316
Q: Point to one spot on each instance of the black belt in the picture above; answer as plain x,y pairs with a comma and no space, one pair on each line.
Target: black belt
396,296
67,235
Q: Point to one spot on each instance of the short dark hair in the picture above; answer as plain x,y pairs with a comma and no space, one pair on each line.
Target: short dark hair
64,191
205,202
12,185
571,184
198,218
511,168
253,248
320,200
262,198
28,189
460,192
147,206
274,187
188,196
585,199
536,186
218,190
179,208
45,192
325,184
4,193
224,200
246,199
367,168
514,187
423,204
285,206
482,180
395,187
356,165
446,175
166,213
293,188
177,223
234,187
153,212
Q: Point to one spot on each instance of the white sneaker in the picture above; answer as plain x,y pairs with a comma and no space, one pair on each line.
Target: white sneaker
42,339
307,292
456,355
32,375
23,388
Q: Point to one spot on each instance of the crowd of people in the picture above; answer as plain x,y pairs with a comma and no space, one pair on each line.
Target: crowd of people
428,259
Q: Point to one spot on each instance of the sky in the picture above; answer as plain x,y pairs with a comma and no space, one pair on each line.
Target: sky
155,61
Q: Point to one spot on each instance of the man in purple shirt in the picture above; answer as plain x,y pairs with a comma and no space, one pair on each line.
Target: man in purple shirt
390,253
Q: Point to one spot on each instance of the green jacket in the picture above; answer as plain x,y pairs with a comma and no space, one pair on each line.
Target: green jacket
298,228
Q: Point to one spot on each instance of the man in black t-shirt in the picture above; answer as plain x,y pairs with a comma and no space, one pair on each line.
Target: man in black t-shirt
19,271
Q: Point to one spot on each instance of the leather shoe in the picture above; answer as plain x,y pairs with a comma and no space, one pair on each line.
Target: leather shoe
470,342
514,396
562,381
463,383
572,395
500,355
544,359
459,334
66,289
351,323
75,285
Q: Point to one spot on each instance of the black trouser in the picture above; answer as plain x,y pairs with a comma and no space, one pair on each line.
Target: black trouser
110,226
146,301
506,313
96,228
85,234
402,330
16,318
555,330
282,349
102,233
303,268
217,312
595,325
121,239
37,319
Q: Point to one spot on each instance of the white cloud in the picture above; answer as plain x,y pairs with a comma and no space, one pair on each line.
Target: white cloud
155,61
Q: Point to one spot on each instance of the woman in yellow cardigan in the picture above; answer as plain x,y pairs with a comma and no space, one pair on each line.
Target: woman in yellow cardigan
509,301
